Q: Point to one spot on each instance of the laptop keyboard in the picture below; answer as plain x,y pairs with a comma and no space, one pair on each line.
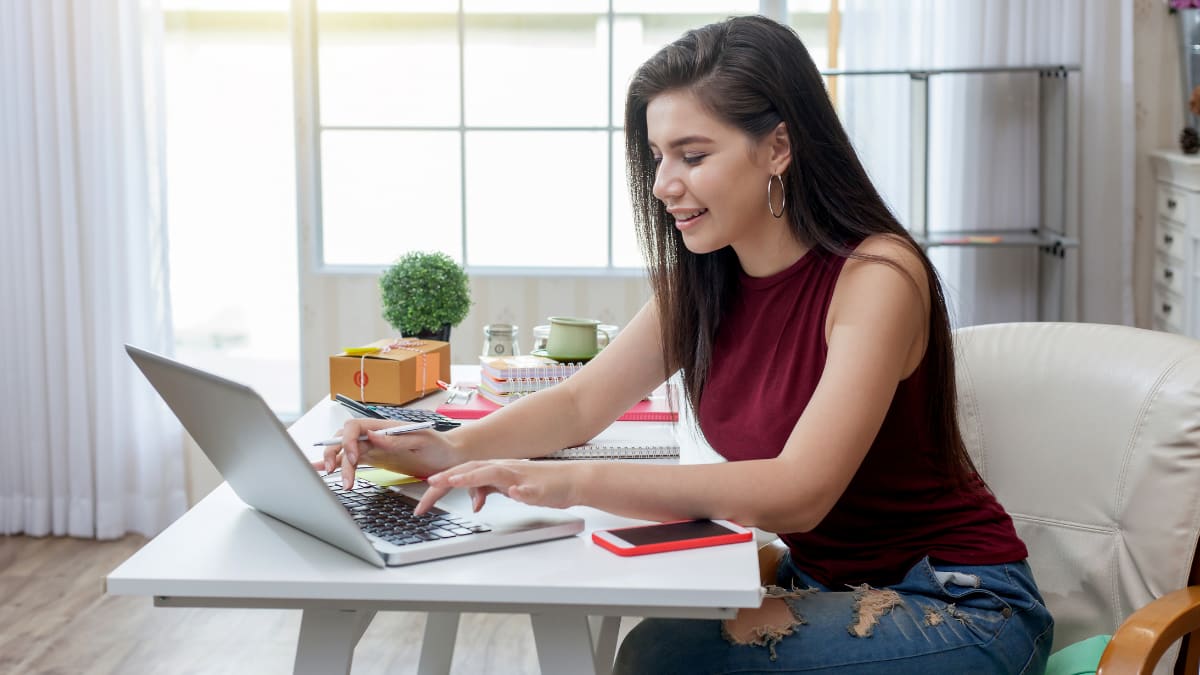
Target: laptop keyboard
389,516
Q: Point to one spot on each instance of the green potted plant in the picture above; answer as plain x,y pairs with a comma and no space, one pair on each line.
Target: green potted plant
424,294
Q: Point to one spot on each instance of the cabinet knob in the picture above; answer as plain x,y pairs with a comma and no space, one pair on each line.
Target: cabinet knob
1166,308
1170,203
1168,239
1167,274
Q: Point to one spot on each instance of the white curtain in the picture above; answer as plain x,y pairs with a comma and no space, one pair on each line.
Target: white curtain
89,450
984,140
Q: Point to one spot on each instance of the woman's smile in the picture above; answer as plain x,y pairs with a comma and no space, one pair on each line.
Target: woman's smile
686,218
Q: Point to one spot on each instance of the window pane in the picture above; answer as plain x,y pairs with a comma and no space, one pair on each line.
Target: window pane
637,38
231,199
813,28
394,6
388,192
722,7
626,252
535,7
396,68
537,198
547,70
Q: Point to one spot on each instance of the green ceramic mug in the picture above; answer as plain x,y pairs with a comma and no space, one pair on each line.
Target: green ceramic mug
572,338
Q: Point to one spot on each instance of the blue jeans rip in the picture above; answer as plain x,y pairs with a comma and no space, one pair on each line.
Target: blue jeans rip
941,624
774,620
869,605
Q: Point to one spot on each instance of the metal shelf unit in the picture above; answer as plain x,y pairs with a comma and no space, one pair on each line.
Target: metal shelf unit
1049,235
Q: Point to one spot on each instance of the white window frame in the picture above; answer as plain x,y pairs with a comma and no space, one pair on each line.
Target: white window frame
308,143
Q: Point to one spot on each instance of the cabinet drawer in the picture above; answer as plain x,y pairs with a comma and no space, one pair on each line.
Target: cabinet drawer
1160,325
1172,203
1168,239
1168,274
1168,311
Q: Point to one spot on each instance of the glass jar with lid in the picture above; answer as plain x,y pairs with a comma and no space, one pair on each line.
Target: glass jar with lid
500,339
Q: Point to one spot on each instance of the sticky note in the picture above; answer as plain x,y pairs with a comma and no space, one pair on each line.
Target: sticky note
359,351
385,478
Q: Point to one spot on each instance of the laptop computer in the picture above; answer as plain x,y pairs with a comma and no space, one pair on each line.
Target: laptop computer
266,469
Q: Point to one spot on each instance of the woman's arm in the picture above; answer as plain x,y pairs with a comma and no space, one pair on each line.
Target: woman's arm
876,332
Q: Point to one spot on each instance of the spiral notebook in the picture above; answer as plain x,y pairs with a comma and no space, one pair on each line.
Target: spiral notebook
653,409
517,385
617,450
526,366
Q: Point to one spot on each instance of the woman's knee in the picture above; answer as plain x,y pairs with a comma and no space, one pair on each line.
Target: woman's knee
665,646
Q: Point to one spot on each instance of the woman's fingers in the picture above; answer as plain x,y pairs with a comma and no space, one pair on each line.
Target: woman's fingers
331,457
479,495
431,496
352,450
480,478
347,472
521,493
480,474
350,433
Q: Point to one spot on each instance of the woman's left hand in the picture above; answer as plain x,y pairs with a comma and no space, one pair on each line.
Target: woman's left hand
554,484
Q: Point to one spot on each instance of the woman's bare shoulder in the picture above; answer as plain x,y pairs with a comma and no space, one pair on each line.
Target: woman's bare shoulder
890,258
889,250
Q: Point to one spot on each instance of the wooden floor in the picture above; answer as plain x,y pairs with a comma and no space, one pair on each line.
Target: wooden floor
55,618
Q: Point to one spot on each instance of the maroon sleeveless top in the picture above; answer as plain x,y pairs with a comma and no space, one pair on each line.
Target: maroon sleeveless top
900,506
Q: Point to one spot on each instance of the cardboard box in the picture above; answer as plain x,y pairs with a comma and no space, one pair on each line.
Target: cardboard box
403,370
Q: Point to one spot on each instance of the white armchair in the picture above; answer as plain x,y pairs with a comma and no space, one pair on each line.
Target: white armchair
1089,435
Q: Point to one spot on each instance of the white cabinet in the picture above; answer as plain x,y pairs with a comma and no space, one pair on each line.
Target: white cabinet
1176,243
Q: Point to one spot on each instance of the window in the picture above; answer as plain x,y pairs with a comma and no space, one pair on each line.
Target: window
231,192
489,129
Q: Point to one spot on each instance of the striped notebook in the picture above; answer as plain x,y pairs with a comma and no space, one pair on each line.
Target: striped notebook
617,450
653,409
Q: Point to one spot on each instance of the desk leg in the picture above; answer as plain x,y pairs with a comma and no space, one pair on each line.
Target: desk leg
437,649
327,640
564,644
605,630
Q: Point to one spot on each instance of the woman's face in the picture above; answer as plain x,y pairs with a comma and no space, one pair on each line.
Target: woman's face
712,177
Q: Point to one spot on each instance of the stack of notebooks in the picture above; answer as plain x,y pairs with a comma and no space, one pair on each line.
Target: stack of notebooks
504,379
526,367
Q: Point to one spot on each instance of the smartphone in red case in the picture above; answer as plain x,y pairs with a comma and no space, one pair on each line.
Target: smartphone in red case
676,536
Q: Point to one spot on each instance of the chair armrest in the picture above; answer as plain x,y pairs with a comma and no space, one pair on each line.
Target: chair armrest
1141,640
769,555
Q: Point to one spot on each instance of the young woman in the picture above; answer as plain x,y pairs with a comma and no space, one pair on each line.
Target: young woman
815,347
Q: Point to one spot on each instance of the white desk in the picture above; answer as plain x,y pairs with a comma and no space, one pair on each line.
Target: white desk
222,553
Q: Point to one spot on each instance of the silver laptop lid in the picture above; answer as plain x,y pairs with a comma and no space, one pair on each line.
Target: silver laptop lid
253,451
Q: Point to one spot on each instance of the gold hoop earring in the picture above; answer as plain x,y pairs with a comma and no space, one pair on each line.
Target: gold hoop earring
782,193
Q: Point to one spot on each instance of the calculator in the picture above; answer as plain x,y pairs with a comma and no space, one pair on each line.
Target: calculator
399,413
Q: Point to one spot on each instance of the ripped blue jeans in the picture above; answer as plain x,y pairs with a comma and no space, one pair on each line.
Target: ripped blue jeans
974,619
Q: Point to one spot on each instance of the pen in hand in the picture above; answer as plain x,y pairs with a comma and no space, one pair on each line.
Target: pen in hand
392,431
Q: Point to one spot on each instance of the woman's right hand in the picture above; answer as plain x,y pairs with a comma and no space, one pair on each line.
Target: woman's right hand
416,453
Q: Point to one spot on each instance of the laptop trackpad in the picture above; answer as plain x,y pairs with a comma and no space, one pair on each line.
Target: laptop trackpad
499,512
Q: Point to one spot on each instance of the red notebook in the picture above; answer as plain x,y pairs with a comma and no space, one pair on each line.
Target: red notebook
648,410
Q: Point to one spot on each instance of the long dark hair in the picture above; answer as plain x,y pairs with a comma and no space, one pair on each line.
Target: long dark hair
753,73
